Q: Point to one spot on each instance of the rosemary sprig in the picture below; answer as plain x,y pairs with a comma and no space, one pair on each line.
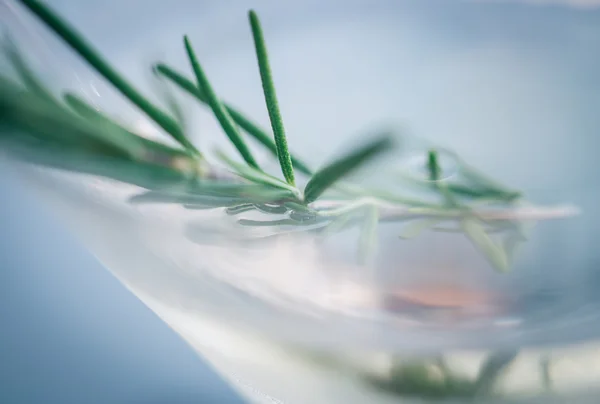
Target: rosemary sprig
243,121
217,107
95,60
36,126
271,99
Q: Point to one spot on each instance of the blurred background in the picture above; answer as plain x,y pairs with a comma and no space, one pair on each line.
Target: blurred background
519,78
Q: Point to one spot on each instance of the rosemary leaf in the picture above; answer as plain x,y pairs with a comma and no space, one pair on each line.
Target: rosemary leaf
438,184
413,229
138,147
30,80
34,130
514,241
269,223
95,60
368,236
191,201
491,370
169,98
298,207
383,195
546,372
478,236
327,176
442,229
236,210
271,209
217,107
338,224
271,99
23,111
211,193
245,123
117,136
484,193
61,156
433,166
463,190
482,181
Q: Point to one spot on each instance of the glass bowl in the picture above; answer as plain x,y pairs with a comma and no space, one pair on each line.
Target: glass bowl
293,316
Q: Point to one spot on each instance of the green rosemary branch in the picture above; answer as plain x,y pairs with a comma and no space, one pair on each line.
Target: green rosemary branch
37,127
86,51
217,107
271,99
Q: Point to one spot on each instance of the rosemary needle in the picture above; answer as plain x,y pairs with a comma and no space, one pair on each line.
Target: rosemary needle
433,165
119,136
217,107
30,80
368,236
328,175
479,237
271,99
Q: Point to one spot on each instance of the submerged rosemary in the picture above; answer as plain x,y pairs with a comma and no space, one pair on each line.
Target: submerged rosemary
69,134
